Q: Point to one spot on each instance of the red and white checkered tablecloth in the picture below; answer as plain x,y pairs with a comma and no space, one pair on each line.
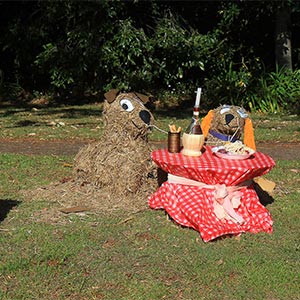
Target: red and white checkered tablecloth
192,206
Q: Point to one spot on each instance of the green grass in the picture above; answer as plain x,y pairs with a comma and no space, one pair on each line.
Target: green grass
98,256
277,127
85,122
52,123
145,256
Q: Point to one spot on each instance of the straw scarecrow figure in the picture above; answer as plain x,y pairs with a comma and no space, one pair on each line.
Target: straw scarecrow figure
228,123
120,162
115,173
119,165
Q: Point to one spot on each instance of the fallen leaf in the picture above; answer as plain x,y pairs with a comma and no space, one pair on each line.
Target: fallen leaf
53,262
68,165
220,262
109,243
74,209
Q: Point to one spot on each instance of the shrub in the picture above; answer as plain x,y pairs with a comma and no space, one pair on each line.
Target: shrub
276,92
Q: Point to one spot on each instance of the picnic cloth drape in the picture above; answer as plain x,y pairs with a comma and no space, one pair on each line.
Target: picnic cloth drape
193,206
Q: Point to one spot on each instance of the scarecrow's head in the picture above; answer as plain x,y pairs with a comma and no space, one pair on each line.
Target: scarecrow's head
229,120
229,123
126,112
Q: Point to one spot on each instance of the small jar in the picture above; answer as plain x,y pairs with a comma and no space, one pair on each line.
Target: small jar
174,142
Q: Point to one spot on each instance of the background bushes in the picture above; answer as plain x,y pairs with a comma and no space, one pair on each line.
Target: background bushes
74,49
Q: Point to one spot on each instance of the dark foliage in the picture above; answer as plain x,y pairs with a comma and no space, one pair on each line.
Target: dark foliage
74,49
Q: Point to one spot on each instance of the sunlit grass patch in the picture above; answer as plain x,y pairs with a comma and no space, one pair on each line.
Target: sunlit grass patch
97,255
86,122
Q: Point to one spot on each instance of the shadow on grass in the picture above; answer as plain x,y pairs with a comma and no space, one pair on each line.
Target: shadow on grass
264,198
67,112
85,109
173,113
5,206
74,113
29,123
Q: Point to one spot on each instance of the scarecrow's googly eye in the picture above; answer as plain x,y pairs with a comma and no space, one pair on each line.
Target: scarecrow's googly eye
127,105
224,110
242,113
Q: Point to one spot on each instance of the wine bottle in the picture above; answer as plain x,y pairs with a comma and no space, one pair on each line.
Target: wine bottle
193,138
194,127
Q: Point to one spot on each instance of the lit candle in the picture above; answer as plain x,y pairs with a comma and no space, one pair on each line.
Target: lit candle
197,103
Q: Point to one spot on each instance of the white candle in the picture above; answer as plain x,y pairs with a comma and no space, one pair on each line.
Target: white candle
197,103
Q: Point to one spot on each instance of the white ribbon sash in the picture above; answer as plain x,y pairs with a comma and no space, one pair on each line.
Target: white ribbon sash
226,198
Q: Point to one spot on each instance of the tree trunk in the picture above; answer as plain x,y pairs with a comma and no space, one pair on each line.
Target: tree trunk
283,46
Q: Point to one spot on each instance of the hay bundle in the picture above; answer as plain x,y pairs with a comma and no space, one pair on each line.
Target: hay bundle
121,159
116,172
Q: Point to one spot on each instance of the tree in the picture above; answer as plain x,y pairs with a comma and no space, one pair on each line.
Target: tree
283,39
224,46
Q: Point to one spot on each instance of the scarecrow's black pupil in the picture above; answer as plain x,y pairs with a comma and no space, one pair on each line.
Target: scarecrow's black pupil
125,106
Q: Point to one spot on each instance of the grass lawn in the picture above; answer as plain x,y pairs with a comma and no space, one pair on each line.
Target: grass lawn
143,255
85,122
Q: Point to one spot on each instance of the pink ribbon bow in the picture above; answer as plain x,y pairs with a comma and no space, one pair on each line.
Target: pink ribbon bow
226,199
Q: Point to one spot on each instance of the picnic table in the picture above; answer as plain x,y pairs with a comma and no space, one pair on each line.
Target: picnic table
212,195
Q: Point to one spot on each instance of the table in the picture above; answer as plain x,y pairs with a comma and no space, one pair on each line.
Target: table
197,206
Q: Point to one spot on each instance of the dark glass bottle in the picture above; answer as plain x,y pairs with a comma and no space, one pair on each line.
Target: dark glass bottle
194,127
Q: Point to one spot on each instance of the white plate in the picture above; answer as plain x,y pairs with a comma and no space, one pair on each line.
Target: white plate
230,155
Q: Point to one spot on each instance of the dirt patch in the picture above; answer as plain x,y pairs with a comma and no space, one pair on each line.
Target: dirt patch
277,150
280,151
42,147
